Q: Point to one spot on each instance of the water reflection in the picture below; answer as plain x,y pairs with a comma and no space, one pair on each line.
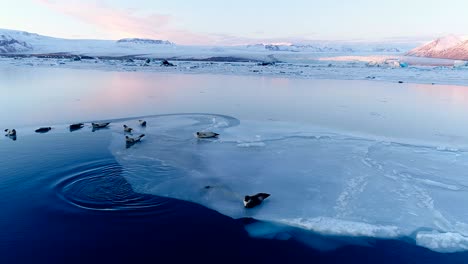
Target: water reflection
41,96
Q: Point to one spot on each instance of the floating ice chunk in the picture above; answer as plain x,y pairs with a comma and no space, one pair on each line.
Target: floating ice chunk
403,64
392,63
460,63
442,242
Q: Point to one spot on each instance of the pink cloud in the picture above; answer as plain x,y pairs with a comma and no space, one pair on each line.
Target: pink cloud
124,23
121,23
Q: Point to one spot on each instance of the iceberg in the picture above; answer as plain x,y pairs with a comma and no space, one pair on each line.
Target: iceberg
460,63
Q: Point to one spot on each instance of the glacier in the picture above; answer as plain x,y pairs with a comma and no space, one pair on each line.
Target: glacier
329,182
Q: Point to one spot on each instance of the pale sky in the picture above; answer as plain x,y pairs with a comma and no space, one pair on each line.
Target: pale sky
237,22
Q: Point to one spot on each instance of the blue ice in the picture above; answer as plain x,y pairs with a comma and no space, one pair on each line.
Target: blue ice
327,182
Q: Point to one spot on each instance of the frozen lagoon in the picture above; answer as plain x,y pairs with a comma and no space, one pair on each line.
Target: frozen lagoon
359,158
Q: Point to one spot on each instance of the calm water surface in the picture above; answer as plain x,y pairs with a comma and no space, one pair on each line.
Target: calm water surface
40,96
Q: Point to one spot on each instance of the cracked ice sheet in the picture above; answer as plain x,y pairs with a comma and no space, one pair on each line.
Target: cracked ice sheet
322,181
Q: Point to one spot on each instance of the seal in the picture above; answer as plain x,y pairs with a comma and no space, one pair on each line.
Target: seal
129,141
254,200
76,126
10,132
100,125
127,129
43,129
207,134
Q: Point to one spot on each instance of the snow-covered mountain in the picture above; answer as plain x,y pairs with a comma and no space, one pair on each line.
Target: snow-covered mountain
449,47
20,42
328,47
13,41
11,45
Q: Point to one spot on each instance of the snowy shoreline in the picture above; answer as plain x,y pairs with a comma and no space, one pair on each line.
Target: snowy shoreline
316,69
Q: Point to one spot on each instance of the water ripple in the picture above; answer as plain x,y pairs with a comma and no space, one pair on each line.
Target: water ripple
100,186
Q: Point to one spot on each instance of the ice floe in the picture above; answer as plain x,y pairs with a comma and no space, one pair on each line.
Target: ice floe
378,68
323,181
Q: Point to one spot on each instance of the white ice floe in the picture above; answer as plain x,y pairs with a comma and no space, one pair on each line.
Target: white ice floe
442,242
460,64
320,180
333,226
393,69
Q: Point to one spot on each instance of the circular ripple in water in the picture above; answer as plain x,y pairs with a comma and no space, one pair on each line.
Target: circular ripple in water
101,187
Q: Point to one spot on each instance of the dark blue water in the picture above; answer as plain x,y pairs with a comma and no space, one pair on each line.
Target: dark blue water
63,200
